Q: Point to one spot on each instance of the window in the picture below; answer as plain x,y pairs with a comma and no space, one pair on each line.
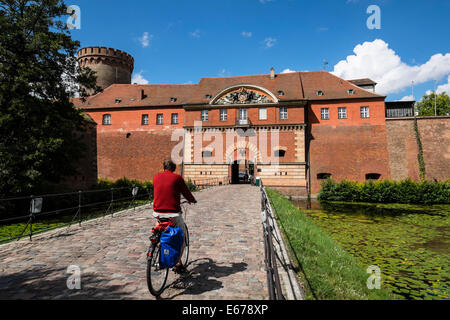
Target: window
106,119
243,114
280,93
159,118
206,154
223,115
145,119
204,115
323,176
118,100
280,153
324,114
319,93
262,113
174,118
342,113
364,112
373,176
350,91
173,99
283,113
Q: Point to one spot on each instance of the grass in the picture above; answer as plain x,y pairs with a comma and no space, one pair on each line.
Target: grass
327,270
11,231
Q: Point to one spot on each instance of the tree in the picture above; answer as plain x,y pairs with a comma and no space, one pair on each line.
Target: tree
40,128
425,107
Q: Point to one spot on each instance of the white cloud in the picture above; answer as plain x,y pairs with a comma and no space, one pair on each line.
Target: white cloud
407,98
269,42
195,34
145,39
377,61
444,87
246,34
139,78
288,71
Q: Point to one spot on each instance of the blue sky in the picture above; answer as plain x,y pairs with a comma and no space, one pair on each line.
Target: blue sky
183,41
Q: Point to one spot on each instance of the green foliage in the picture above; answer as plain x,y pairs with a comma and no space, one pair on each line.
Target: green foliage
327,270
406,191
40,127
420,151
192,187
425,107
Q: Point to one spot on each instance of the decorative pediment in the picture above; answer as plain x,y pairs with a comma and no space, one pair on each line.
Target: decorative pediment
243,95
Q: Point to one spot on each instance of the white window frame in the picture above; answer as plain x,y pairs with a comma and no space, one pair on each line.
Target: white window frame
172,117
283,113
365,113
323,113
158,118
106,119
223,114
342,112
144,119
204,115
262,116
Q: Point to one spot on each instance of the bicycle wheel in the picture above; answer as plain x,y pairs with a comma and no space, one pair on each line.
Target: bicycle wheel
185,256
156,276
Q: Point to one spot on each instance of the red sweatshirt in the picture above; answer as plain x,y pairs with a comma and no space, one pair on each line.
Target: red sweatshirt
167,188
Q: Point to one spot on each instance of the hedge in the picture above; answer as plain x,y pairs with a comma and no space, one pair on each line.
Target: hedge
405,191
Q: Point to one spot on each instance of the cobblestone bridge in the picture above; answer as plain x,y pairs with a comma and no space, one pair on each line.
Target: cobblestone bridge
226,257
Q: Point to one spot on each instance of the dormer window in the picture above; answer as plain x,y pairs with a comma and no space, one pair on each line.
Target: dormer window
208,96
319,93
280,93
173,99
118,100
350,91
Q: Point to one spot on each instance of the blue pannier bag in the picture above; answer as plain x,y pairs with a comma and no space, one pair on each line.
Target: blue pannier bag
171,244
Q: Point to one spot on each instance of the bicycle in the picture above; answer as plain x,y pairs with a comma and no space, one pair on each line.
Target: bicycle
157,276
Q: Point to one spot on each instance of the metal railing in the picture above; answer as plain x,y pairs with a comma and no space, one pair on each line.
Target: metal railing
270,258
65,209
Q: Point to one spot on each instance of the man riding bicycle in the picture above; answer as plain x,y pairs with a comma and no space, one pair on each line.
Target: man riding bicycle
167,188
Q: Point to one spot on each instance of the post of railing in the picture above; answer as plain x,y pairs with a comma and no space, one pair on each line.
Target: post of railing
112,202
79,208
31,217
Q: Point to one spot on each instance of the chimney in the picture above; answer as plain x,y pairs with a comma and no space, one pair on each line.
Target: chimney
272,73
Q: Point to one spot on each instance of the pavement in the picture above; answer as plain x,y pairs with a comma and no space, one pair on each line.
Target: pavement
109,254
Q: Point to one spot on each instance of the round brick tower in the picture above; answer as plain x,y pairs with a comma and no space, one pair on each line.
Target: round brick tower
111,65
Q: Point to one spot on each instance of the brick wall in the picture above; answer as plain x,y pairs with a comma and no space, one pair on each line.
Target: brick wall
139,156
402,146
348,152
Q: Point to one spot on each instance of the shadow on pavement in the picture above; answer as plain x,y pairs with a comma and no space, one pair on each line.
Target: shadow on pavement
202,277
47,283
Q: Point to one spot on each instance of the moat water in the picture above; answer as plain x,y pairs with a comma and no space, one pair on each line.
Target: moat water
409,243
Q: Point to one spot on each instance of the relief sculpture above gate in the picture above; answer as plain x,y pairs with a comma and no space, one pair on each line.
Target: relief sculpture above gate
244,96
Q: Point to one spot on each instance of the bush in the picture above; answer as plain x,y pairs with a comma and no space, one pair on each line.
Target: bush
405,191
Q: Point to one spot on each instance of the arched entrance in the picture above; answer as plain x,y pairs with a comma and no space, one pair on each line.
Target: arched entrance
242,172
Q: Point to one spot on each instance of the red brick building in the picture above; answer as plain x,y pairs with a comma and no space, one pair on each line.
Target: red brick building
291,130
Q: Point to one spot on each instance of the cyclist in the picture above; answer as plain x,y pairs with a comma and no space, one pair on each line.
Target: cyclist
167,188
